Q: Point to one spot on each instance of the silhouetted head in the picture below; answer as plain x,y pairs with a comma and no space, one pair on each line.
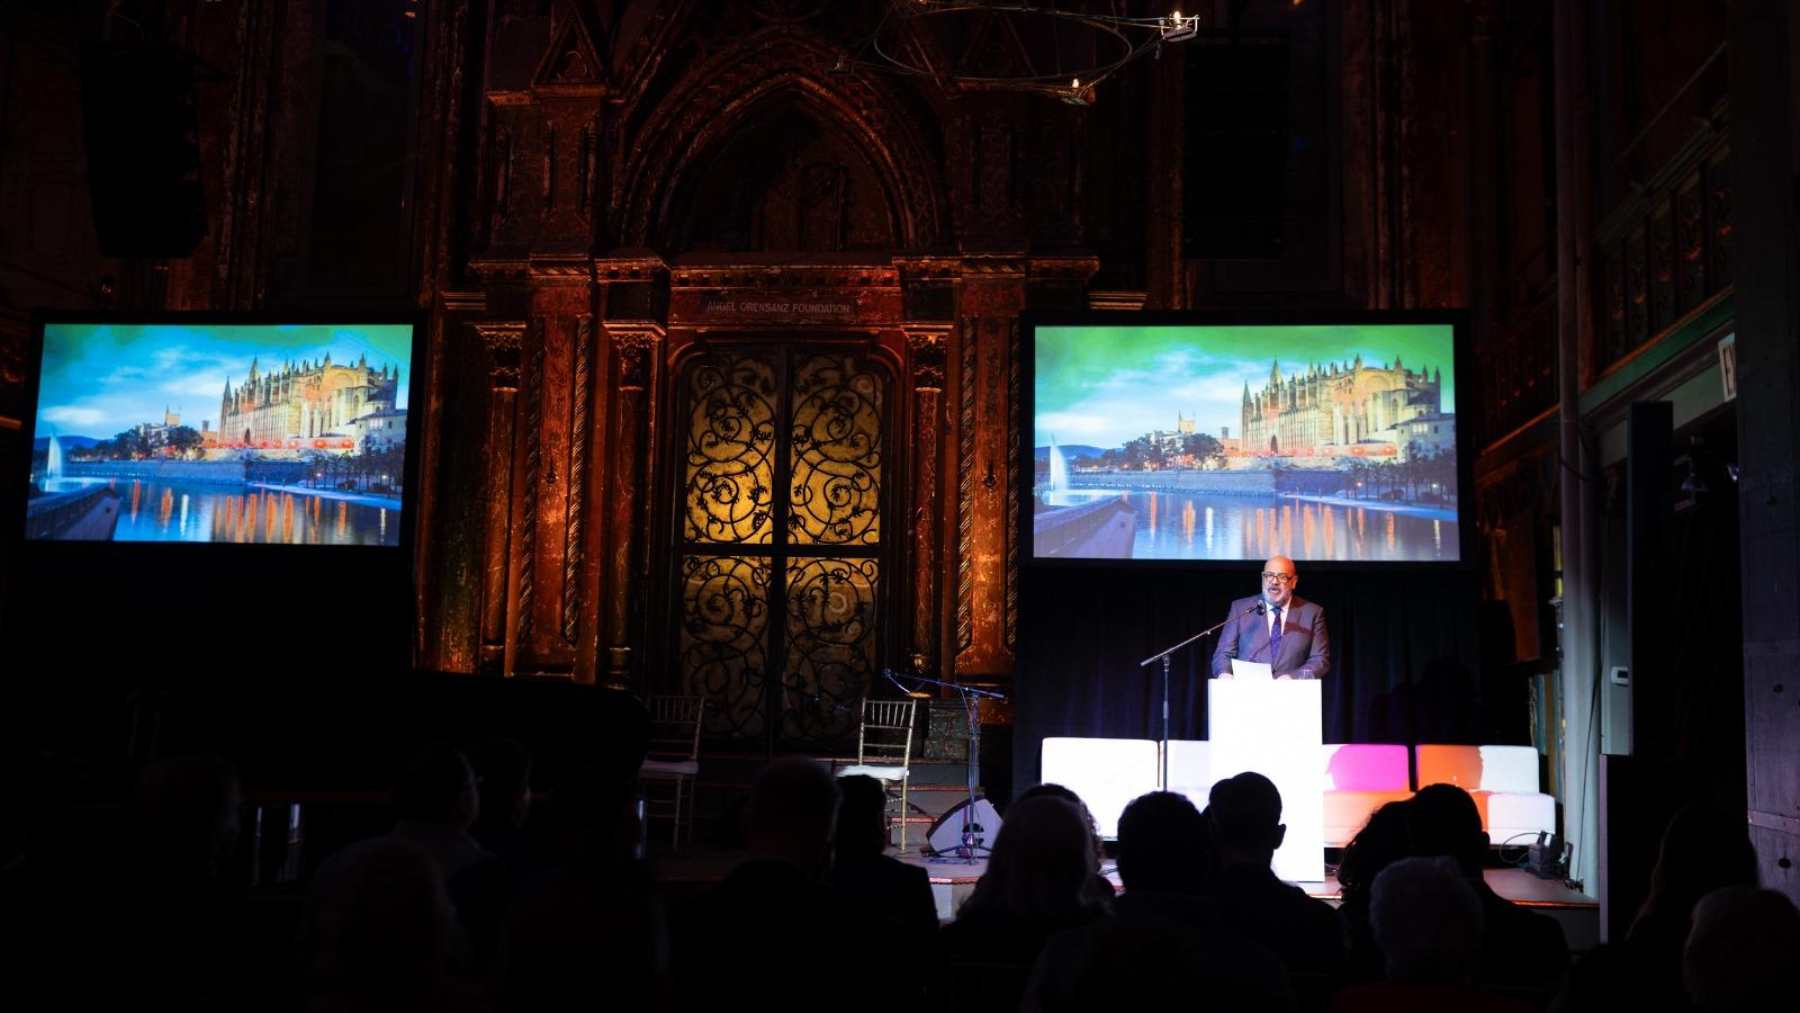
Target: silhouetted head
1162,839
1427,921
1442,819
595,816
793,812
862,830
1050,790
187,811
1740,953
1040,862
1246,819
384,922
1703,849
503,768
438,787
1381,842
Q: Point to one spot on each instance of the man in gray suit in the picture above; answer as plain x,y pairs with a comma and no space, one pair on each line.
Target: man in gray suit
1277,627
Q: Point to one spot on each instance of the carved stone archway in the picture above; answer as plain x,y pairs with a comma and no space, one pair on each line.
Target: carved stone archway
717,97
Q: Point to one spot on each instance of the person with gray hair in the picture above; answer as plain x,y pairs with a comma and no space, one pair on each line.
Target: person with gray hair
1428,921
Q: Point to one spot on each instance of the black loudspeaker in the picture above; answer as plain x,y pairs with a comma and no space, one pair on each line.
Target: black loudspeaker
1235,144
945,835
143,149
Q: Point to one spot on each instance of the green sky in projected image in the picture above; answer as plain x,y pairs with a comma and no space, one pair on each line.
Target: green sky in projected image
1102,386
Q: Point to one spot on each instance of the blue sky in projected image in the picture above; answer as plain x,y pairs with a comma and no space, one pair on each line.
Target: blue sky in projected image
101,379
1104,385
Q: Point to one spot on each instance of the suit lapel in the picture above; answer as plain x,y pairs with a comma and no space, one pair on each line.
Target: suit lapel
1259,638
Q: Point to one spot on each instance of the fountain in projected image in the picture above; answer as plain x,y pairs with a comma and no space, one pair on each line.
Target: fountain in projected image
54,478
1057,491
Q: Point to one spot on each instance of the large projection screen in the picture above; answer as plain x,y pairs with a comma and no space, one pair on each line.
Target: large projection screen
1227,442
205,431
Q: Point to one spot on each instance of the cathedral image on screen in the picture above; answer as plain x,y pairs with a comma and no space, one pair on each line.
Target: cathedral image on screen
311,406
1335,407
307,445
1318,442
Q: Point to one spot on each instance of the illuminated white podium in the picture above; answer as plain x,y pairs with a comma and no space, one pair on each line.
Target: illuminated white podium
1272,727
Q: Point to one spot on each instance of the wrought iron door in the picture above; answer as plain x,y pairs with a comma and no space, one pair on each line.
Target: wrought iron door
779,538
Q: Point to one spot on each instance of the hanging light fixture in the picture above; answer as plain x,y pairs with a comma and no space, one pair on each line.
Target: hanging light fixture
1062,49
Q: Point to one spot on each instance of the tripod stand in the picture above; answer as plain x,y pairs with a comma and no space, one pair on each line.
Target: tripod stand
973,834
1162,776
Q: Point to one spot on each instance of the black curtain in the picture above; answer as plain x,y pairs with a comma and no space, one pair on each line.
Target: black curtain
1405,664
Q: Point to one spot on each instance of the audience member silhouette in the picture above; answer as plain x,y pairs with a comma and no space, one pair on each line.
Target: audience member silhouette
1162,936
383,930
1033,889
173,931
1740,953
1523,953
1381,842
774,923
503,774
436,802
1099,889
1302,931
1703,849
886,889
1428,922
590,931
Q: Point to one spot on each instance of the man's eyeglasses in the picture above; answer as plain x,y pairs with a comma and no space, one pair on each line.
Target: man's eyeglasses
1279,578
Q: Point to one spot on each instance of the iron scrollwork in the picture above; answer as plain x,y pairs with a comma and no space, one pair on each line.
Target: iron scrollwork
730,450
724,639
836,453
830,644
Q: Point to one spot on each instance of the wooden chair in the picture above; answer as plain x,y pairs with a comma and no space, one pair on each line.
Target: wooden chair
673,759
884,749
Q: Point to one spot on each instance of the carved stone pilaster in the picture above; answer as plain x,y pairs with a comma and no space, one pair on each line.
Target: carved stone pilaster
926,347
636,353
503,342
580,437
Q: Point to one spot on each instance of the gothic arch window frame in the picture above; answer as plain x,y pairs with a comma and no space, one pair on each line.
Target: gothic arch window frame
888,554
686,125
812,101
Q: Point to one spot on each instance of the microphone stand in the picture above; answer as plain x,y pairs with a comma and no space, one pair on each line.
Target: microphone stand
971,699
1162,780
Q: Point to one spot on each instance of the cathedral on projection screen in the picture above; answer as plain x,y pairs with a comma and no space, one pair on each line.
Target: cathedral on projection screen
313,406
1333,407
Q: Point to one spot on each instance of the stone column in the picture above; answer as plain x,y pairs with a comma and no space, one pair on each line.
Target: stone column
504,342
637,361
926,344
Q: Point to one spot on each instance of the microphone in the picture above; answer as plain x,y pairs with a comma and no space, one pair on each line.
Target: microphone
891,677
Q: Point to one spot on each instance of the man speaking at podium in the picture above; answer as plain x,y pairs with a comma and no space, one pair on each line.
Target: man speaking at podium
1277,628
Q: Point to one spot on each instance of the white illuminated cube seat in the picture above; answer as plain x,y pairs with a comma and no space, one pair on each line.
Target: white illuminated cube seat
1106,773
1504,783
1361,777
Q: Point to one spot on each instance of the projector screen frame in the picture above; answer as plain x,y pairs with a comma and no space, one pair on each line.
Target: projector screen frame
1031,321
37,549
